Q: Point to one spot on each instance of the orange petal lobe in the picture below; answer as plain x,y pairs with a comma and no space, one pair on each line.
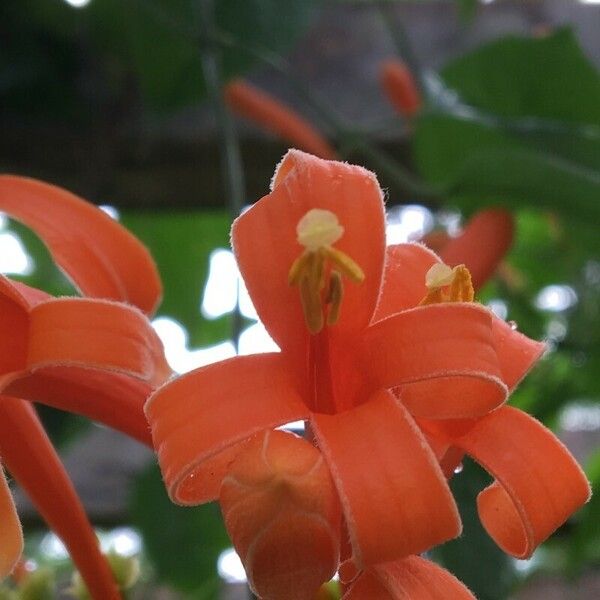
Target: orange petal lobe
394,496
265,244
14,324
404,278
483,243
11,536
258,107
443,358
31,458
412,578
95,333
538,483
283,516
113,399
101,257
399,85
516,352
198,419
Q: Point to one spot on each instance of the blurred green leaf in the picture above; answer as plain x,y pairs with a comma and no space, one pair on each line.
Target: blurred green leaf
183,543
181,244
547,77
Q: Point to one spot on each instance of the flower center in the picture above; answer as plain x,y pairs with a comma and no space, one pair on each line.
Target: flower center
318,271
446,284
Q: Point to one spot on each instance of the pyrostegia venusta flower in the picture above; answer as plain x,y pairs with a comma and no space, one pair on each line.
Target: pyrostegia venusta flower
400,87
98,357
258,107
321,229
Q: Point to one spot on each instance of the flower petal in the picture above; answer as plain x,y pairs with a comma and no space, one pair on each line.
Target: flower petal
516,352
443,357
283,515
404,278
481,246
101,257
538,483
198,419
31,458
265,244
14,324
113,399
95,333
376,451
11,536
412,578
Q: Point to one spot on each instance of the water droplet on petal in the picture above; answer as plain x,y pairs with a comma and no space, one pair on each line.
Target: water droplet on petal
513,325
458,469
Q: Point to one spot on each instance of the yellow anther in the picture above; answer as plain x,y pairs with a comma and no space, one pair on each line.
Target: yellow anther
321,264
318,228
448,285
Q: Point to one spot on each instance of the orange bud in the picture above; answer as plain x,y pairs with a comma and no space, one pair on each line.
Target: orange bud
283,515
399,85
258,107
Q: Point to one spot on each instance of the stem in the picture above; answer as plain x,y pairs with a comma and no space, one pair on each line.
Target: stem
229,148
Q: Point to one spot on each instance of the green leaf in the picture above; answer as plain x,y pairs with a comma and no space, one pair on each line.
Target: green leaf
547,77
479,164
181,244
183,543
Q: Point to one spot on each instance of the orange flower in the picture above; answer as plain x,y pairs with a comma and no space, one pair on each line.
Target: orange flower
399,85
323,224
257,106
96,357
538,484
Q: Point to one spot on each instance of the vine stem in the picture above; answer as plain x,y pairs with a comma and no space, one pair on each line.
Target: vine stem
229,147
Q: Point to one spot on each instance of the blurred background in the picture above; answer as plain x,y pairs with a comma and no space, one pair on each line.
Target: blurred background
121,102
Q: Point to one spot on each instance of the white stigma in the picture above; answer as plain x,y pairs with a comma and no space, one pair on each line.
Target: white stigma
318,228
438,276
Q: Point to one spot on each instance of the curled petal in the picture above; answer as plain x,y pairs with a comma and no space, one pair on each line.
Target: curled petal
31,458
400,87
113,399
412,578
11,536
481,246
14,324
404,278
257,106
516,352
198,419
265,243
538,483
101,257
282,513
441,356
394,496
95,333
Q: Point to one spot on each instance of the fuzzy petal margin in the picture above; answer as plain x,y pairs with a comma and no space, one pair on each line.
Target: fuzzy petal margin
411,578
11,536
265,244
199,419
101,257
443,358
538,483
394,496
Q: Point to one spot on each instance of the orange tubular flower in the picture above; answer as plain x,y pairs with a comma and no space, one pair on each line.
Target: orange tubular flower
538,484
256,106
322,224
400,87
96,357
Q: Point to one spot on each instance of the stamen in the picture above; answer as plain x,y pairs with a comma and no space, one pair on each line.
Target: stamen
319,264
318,228
334,298
448,285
